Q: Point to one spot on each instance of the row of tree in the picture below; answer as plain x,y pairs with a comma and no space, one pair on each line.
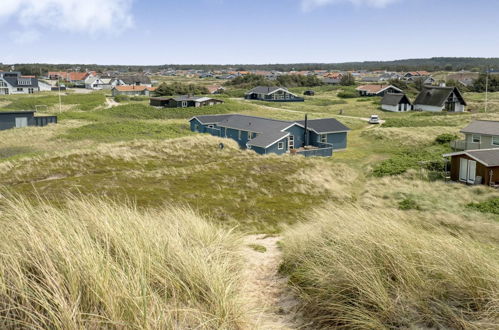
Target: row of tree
252,80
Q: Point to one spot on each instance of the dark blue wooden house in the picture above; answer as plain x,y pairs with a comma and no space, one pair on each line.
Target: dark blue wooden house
13,119
272,94
318,137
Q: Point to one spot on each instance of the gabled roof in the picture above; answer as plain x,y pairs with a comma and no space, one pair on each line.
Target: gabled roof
21,82
487,157
181,97
133,79
269,131
437,96
267,90
377,88
487,127
77,76
395,99
326,125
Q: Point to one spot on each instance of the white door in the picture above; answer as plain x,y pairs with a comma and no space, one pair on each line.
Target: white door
21,121
463,169
471,171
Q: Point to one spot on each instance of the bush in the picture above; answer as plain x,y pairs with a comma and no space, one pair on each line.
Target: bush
122,98
408,204
490,206
348,94
98,264
178,88
368,269
445,138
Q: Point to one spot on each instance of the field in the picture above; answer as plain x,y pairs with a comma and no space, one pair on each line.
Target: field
370,238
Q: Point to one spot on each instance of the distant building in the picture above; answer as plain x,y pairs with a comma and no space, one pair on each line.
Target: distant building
18,119
132,90
15,83
317,137
134,80
272,94
184,101
475,166
396,102
437,99
479,134
377,90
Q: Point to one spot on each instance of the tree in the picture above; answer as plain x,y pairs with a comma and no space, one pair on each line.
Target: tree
177,88
347,80
419,83
398,83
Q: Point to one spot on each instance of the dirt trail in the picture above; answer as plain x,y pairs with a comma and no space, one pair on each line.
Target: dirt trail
111,103
274,304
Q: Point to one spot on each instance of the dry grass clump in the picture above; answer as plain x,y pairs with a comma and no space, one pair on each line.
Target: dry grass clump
376,270
98,264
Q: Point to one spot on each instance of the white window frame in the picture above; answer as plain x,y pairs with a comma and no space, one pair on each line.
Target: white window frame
492,141
184,104
211,126
323,138
280,145
240,135
473,138
291,142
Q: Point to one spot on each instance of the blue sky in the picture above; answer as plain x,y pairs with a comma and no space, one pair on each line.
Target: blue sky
153,32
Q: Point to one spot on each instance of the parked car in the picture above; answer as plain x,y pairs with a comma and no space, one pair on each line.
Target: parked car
374,119
309,93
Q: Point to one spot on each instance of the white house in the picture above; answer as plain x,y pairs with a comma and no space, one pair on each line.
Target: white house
15,83
437,99
377,90
396,102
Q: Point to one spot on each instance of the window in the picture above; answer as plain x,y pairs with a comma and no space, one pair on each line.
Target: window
240,135
495,140
291,142
475,138
30,90
280,145
19,89
323,138
184,104
211,126
253,135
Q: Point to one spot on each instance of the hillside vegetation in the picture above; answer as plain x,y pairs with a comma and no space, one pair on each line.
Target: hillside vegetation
98,264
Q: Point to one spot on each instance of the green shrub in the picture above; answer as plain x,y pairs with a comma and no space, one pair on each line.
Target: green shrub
490,206
445,138
348,94
122,98
408,204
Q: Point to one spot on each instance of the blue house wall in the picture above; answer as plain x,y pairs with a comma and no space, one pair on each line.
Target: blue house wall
8,119
298,134
338,140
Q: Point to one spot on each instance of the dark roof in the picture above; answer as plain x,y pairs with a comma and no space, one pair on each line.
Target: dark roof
133,79
21,82
488,157
184,98
395,99
264,89
325,125
16,112
269,130
488,127
437,96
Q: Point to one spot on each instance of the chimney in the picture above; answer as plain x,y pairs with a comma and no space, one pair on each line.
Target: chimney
306,130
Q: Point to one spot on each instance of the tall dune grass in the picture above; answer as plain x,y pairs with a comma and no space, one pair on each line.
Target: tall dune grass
98,264
377,270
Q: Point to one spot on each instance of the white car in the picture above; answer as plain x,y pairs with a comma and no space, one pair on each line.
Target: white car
374,119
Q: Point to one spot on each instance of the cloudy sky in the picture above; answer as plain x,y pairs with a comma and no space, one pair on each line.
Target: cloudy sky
244,31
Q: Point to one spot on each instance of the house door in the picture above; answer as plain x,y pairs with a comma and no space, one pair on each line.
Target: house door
21,121
471,171
467,170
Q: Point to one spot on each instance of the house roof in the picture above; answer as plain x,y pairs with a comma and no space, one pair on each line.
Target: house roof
134,88
488,157
269,130
16,112
487,127
76,76
18,81
182,97
326,125
377,88
267,90
437,96
395,99
132,79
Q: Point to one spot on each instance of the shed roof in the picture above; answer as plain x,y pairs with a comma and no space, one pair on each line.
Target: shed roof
488,157
267,90
437,96
395,99
377,88
488,127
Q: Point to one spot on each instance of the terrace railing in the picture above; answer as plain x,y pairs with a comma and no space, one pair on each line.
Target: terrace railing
466,145
321,150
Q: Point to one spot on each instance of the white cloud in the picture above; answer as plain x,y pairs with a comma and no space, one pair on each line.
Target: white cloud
308,5
25,37
88,16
